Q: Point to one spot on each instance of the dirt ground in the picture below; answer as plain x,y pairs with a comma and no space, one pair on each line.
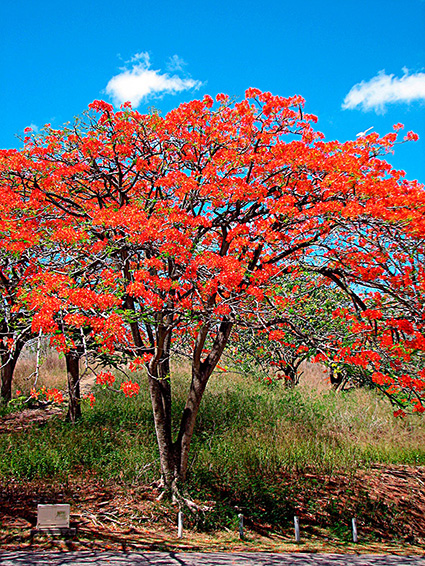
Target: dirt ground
109,515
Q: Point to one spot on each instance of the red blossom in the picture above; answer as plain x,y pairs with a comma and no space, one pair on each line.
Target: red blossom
129,388
105,378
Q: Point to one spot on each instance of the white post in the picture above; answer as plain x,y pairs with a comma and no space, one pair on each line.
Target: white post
354,524
180,524
297,528
240,517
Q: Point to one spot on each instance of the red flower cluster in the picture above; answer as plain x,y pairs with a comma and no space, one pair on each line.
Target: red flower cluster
91,398
53,394
105,378
129,388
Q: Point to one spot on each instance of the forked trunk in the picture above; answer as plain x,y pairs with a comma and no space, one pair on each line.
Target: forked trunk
174,456
73,374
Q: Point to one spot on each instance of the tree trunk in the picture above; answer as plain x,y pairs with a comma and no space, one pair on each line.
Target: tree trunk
73,374
184,439
160,392
8,362
335,377
174,456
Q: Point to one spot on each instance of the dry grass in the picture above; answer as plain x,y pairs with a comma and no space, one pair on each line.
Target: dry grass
52,371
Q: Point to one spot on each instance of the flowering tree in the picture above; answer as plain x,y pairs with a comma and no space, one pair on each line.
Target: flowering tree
384,266
32,256
309,317
175,229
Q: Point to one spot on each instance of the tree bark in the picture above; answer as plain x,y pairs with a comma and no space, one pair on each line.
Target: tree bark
184,439
73,375
8,362
160,392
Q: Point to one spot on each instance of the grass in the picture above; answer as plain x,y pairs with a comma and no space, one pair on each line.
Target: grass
243,426
265,450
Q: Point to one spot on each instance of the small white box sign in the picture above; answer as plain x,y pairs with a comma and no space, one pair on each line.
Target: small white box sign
53,516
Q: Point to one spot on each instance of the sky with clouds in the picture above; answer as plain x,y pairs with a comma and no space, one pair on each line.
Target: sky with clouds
359,64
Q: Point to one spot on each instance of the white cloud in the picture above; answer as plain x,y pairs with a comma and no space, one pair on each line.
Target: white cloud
176,63
140,82
385,89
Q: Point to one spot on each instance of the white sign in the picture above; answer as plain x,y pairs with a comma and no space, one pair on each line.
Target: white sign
53,516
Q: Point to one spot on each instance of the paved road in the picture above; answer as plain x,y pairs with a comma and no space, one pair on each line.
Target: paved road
21,558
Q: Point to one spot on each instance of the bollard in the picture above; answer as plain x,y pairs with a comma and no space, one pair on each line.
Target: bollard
180,525
240,517
354,525
297,528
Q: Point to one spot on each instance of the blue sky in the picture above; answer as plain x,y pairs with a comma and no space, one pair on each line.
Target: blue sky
357,63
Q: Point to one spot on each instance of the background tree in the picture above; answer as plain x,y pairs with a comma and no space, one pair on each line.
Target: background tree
18,251
292,325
